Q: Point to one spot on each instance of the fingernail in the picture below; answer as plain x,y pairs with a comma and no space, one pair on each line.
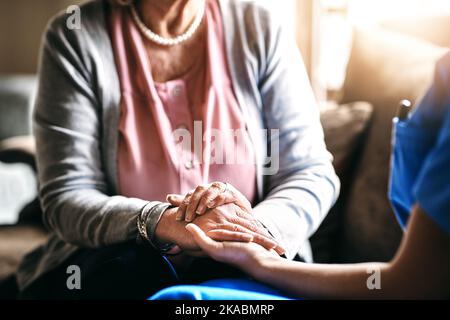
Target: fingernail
210,204
200,209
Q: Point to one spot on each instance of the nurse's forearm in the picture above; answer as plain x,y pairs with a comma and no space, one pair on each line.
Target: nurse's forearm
419,270
325,281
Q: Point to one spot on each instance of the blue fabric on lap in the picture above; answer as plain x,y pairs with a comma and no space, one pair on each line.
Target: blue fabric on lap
223,289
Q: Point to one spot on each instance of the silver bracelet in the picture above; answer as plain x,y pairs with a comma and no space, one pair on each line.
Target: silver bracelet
142,221
142,225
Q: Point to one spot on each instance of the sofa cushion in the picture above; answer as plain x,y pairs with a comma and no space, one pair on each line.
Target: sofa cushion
344,127
15,242
18,187
384,68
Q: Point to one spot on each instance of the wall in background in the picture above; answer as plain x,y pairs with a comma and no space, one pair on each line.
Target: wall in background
22,23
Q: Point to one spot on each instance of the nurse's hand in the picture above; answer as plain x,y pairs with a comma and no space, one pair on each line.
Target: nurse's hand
205,197
243,255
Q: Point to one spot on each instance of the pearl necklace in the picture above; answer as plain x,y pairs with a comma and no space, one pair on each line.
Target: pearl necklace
149,34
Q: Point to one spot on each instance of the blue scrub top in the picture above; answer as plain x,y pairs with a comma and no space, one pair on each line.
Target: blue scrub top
420,171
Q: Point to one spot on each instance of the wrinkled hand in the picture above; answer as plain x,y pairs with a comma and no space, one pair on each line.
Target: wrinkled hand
225,223
223,213
230,223
204,197
244,255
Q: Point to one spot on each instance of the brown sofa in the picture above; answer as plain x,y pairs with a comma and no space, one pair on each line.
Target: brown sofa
384,68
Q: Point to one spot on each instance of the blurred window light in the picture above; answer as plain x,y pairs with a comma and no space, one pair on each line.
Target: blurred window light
331,44
371,12
332,32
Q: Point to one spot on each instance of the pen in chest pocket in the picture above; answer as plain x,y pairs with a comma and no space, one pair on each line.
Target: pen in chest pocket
404,109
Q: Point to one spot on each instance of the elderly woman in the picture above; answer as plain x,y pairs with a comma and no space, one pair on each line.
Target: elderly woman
120,103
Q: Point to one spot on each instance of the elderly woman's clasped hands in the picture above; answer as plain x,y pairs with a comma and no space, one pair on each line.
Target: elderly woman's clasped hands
223,214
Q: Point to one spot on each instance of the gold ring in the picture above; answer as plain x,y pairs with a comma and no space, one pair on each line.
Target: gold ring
226,187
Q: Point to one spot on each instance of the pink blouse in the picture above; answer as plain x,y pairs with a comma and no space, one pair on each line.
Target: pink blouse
182,133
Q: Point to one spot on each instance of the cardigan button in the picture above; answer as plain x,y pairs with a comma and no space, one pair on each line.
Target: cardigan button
189,164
